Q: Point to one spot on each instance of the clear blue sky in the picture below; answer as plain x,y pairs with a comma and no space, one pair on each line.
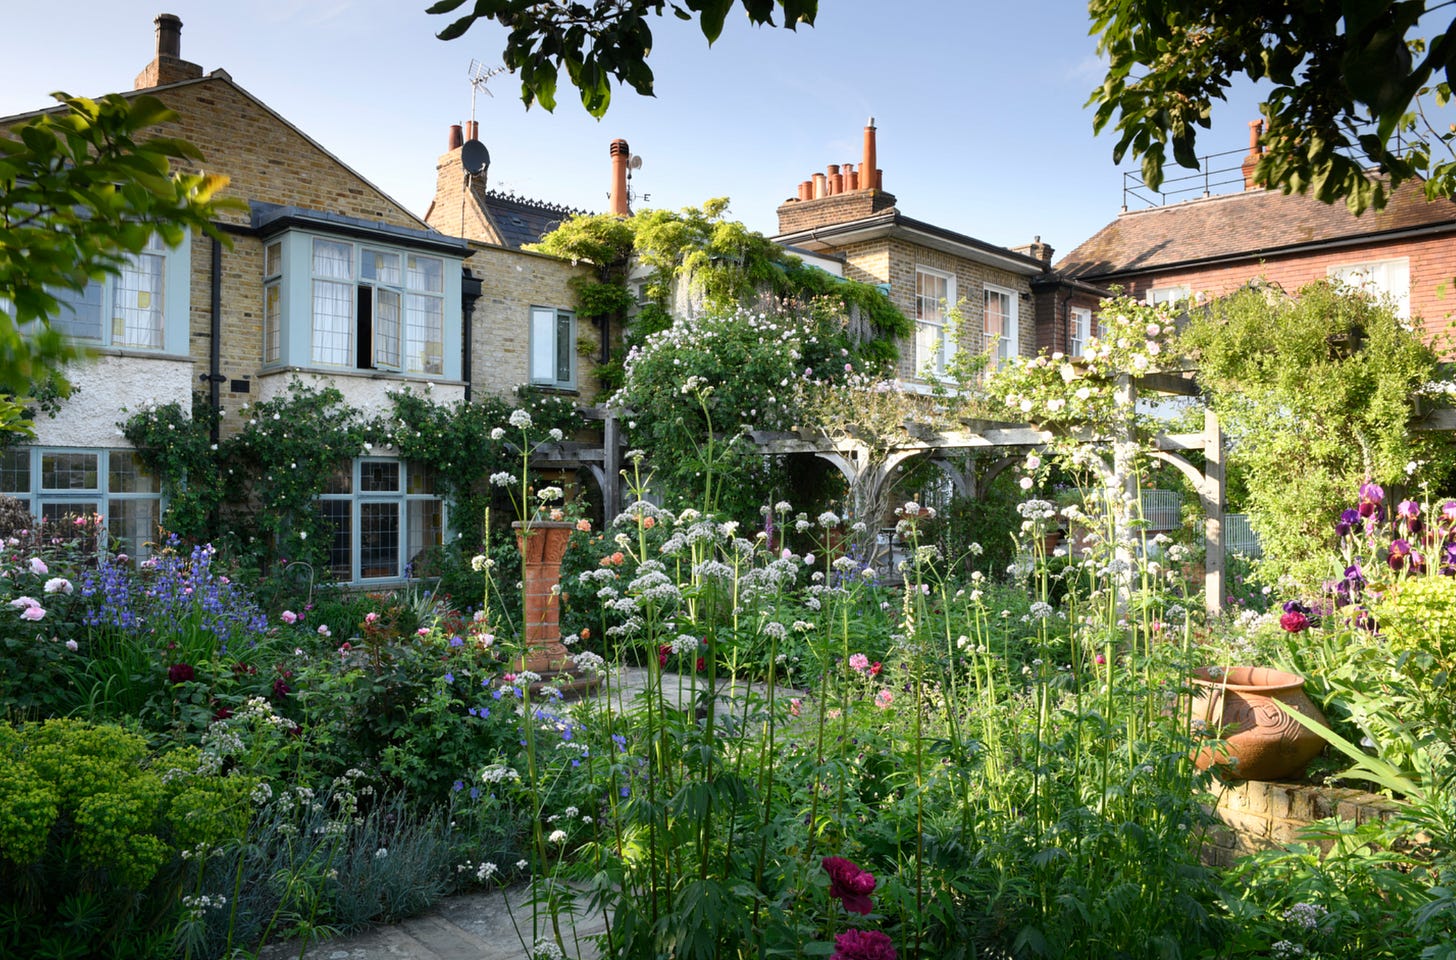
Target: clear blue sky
982,127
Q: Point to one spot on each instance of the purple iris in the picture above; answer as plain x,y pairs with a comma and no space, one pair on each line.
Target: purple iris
1400,551
1347,522
1448,511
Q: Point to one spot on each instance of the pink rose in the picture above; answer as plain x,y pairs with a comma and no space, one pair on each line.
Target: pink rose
863,945
33,613
288,617
851,885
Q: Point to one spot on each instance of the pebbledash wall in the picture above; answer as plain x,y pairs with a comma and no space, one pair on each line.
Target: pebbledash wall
1259,816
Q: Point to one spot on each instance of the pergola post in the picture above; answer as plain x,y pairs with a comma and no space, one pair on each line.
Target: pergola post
611,466
1213,494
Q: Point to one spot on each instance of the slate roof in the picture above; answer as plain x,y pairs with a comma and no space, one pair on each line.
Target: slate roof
520,220
1253,224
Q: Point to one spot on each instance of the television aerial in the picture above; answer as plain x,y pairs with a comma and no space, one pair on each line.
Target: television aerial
480,75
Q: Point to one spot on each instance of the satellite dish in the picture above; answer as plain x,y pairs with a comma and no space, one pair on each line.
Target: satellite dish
474,157
635,163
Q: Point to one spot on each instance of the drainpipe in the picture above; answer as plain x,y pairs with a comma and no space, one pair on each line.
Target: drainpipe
470,287
214,375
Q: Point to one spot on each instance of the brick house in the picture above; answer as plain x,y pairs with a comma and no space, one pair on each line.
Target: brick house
1213,245
926,269
327,280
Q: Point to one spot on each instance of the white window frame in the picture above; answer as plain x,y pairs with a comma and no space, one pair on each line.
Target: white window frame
1381,279
103,495
119,301
1079,330
412,298
1009,345
361,565
1169,294
936,343
552,340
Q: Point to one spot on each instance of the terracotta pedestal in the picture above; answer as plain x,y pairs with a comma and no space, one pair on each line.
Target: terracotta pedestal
542,545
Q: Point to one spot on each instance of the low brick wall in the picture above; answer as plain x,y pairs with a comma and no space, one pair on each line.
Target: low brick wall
1257,816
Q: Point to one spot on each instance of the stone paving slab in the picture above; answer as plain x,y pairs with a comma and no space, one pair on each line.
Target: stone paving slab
474,926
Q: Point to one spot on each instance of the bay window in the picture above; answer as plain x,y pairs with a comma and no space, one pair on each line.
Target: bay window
338,303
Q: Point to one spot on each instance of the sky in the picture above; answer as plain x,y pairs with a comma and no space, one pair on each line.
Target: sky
980,106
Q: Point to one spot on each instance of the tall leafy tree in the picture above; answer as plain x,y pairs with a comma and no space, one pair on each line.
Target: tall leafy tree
599,41
1351,81
83,188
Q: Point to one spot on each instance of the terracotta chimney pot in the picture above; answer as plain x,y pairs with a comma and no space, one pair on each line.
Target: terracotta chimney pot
867,165
1256,129
617,202
455,141
821,189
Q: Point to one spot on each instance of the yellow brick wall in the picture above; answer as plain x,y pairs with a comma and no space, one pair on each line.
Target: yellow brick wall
266,160
512,282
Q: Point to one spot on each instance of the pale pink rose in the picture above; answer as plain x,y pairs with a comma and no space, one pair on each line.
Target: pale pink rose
58,585
38,567
33,613
288,617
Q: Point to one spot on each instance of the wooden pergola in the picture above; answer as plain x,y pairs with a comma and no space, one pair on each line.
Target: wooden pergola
870,469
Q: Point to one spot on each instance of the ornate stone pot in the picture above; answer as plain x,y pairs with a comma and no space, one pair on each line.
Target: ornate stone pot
1260,741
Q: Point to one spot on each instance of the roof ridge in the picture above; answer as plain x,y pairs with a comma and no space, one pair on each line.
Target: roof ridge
545,205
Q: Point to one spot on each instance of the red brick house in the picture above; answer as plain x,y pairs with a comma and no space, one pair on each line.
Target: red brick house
1213,245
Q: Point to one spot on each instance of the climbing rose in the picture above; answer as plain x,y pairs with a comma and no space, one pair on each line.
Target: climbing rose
850,884
863,945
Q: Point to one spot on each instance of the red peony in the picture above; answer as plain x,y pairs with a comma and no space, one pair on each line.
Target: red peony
1294,621
850,884
863,945
180,673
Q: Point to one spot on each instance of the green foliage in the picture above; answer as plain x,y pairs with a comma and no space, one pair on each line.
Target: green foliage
456,442
89,828
177,447
281,461
81,189
1347,96
600,43
1309,422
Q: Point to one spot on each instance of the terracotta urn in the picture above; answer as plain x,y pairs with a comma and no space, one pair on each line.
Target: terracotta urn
1239,706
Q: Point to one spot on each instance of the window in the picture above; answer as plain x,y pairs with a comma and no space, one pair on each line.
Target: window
934,342
1079,330
340,304
1380,279
357,312
384,514
553,347
1157,295
142,307
1001,322
59,483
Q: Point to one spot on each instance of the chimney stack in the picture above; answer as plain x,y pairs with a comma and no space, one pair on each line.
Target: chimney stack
869,174
167,65
1256,129
618,204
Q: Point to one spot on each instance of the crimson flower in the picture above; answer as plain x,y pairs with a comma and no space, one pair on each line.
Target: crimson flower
875,669
863,945
662,653
180,673
851,885
1294,621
